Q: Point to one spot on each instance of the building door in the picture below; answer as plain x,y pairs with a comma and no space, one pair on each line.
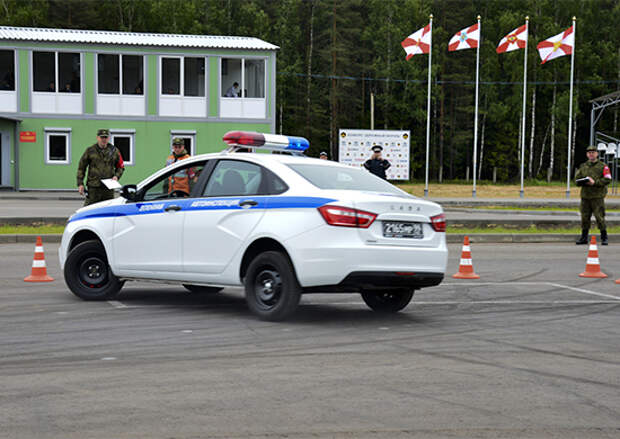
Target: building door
5,159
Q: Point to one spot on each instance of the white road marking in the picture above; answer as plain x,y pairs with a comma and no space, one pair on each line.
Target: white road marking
584,291
116,304
108,358
480,302
187,331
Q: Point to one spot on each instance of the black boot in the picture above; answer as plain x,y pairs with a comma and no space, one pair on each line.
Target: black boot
604,240
584,237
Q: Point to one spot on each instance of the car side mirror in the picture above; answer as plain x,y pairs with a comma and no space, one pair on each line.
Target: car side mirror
129,192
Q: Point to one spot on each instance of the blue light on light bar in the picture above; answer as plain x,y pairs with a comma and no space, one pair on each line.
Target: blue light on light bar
297,144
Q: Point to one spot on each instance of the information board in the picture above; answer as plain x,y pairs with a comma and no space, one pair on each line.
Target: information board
354,149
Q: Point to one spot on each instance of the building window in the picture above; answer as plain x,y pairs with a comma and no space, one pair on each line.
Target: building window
248,74
56,72
114,70
191,69
7,70
58,146
254,78
124,141
189,139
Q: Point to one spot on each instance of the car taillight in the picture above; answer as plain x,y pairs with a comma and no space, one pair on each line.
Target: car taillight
438,223
346,217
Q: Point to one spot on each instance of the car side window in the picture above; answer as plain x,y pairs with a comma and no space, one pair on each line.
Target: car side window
275,185
177,184
234,177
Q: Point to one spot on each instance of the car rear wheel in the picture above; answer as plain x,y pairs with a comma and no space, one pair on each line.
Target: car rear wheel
87,273
271,288
202,289
388,301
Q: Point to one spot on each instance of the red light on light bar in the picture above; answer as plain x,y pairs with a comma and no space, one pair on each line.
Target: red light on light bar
244,138
346,217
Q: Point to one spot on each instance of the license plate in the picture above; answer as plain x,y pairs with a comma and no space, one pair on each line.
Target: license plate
402,230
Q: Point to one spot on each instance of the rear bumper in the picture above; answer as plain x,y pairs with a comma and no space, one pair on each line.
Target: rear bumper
378,279
336,256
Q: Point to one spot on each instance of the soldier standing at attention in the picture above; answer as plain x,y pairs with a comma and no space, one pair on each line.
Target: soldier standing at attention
593,176
376,164
103,160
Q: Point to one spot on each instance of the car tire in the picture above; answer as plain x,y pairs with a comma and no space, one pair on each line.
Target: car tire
271,287
88,274
202,289
388,301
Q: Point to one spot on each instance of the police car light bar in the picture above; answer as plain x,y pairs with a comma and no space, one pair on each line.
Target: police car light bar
248,139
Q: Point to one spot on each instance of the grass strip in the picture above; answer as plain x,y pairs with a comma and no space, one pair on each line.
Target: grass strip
31,230
555,209
530,230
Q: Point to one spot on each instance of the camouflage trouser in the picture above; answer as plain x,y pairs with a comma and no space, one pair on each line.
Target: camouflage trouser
97,194
594,206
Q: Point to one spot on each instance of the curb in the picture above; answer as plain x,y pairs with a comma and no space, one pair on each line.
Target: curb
29,238
520,238
452,238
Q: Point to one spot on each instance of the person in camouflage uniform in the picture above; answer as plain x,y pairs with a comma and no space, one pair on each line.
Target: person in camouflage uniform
103,160
594,176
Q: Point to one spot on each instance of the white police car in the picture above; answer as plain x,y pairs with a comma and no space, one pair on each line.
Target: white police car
279,225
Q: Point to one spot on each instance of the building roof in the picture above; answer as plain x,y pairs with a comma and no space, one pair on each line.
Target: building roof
132,38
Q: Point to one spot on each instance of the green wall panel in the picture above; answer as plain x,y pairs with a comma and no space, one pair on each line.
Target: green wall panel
214,63
89,83
24,80
152,92
152,146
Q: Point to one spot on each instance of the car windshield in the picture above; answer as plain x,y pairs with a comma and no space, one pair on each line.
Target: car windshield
344,178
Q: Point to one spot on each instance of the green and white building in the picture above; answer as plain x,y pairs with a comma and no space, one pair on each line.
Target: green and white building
58,86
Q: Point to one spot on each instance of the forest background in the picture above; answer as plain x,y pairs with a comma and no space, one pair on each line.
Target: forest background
334,53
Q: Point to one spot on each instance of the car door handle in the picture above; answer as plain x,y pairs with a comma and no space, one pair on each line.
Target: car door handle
248,203
173,207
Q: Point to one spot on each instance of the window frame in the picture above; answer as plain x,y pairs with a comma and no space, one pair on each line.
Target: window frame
185,134
120,74
242,83
65,132
56,88
15,70
181,93
114,132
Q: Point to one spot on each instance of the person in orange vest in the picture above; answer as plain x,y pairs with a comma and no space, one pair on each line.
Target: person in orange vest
180,181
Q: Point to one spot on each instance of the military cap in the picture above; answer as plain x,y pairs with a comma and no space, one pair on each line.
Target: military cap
377,148
103,132
591,148
178,141
322,153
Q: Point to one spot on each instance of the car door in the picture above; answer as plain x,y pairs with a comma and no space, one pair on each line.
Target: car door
218,223
148,237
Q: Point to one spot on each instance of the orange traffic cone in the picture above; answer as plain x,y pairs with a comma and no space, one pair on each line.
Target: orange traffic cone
466,268
39,270
593,266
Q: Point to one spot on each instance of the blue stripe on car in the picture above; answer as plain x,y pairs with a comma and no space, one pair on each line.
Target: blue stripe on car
194,204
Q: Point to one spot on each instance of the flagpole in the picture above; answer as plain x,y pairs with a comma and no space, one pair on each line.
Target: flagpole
428,105
473,194
570,107
524,98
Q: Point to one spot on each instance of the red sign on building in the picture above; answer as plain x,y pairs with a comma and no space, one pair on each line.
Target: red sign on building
28,136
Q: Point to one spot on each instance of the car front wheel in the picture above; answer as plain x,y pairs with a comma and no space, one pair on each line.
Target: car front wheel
88,274
271,288
388,301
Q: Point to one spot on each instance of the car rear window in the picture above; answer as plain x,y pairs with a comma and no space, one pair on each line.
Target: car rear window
343,178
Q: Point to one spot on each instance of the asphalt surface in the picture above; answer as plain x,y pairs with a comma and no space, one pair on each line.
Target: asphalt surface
530,350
